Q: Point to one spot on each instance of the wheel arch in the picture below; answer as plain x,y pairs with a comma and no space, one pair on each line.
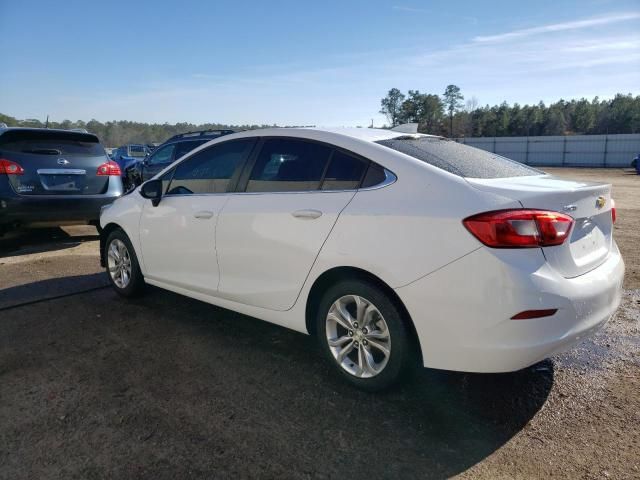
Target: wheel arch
335,274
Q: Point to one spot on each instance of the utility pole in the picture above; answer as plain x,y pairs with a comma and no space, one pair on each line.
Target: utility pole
46,125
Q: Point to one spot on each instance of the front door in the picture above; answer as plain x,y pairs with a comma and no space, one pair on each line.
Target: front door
178,236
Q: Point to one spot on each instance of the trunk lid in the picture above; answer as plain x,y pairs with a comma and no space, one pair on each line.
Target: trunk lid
589,204
55,162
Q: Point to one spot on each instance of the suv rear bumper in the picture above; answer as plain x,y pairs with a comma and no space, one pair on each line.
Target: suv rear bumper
25,210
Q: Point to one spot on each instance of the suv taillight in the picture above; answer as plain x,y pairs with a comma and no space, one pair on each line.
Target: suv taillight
110,169
520,228
10,168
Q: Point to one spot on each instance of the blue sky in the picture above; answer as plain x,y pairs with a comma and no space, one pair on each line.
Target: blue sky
293,62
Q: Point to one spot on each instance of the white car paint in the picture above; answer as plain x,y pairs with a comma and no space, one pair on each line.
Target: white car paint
253,256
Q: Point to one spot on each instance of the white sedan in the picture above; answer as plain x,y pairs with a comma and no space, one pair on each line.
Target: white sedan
394,249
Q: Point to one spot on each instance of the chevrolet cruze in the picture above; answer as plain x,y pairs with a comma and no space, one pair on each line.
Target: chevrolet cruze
394,249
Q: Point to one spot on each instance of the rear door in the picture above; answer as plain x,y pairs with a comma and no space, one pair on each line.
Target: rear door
269,236
55,162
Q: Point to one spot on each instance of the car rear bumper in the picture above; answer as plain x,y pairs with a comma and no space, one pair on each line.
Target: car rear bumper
53,209
462,312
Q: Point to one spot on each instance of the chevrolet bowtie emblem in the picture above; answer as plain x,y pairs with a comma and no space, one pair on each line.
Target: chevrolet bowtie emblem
601,202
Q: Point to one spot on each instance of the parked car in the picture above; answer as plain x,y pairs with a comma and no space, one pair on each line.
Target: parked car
53,177
394,249
165,154
127,156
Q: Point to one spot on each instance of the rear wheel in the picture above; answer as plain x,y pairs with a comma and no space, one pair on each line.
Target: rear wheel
122,265
364,336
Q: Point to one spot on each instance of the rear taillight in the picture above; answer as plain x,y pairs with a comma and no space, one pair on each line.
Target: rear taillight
110,169
529,314
613,211
10,168
520,228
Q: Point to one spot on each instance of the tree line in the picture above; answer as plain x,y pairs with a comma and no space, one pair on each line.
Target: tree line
123,132
447,115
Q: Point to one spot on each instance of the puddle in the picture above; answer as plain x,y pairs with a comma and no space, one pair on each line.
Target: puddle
618,341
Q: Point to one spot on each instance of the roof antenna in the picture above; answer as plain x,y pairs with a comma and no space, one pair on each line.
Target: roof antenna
46,125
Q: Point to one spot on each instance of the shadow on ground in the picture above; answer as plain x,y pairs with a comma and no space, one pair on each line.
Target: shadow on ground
40,240
168,387
50,288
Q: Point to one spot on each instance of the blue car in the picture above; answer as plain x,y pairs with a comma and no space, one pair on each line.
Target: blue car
54,177
127,156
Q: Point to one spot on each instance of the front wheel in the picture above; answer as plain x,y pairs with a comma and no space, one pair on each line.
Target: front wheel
364,335
122,265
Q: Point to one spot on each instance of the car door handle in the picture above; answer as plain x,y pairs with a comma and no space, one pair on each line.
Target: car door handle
310,214
205,214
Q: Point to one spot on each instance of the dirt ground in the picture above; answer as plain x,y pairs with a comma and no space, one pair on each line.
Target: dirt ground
94,386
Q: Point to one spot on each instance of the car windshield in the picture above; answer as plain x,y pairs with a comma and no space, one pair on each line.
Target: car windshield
459,159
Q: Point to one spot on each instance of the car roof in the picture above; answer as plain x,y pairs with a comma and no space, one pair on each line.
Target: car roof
70,133
362,134
35,129
209,134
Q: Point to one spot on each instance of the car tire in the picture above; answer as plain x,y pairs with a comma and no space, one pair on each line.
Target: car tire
122,265
382,328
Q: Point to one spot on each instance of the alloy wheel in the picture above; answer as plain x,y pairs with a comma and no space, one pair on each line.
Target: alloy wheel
358,336
119,262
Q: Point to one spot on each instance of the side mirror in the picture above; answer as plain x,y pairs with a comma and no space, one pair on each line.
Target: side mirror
153,191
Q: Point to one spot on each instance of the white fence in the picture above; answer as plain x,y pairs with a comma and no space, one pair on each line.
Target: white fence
563,151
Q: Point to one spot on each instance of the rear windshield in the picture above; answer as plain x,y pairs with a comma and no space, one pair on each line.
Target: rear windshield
137,150
459,159
50,143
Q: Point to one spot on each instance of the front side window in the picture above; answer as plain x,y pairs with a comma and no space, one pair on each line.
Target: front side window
286,165
185,147
210,170
164,155
166,180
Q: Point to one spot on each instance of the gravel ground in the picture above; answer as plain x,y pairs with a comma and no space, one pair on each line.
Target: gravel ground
94,386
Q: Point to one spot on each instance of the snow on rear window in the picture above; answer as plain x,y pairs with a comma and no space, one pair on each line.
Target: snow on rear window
459,159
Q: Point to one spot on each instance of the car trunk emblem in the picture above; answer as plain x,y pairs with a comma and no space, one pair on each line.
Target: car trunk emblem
63,161
601,202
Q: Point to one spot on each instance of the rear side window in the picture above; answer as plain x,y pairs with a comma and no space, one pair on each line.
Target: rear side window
375,176
345,172
286,165
459,159
210,170
51,143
